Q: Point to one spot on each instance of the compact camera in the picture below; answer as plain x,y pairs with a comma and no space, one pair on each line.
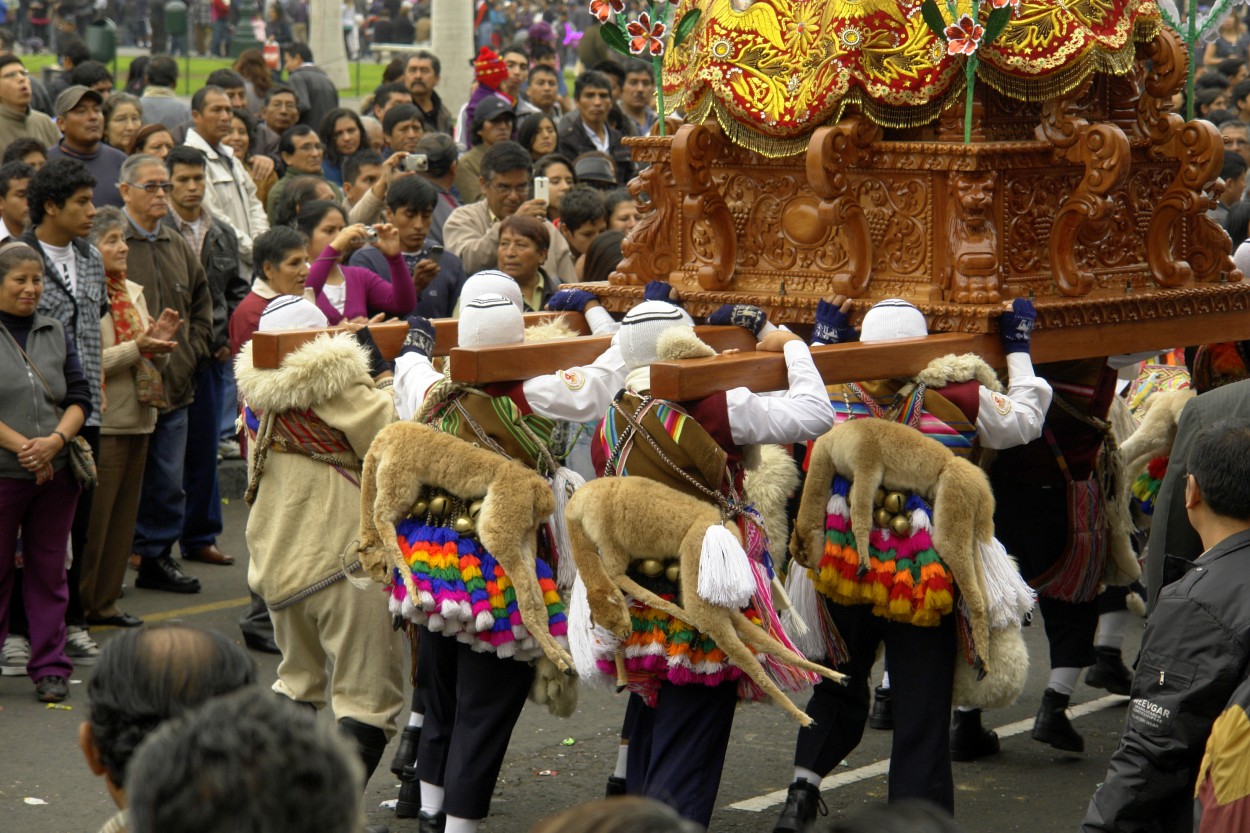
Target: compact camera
415,162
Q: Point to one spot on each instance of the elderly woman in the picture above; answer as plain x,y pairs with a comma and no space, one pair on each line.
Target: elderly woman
123,116
135,350
280,267
47,399
523,245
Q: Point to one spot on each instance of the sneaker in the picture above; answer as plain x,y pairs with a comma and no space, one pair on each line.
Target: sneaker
80,647
15,656
229,450
51,689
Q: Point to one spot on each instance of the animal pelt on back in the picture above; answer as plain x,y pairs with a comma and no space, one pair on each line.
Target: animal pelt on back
874,453
952,368
407,456
1157,432
771,477
316,372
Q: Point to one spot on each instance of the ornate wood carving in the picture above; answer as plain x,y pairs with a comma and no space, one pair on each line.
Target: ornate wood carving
708,221
1103,150
831,152
649,252
972,272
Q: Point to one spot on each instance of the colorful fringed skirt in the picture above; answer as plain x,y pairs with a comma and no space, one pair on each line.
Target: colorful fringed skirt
662,648
463,592
906,580
1145,488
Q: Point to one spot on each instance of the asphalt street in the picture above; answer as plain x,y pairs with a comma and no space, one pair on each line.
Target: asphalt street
45,786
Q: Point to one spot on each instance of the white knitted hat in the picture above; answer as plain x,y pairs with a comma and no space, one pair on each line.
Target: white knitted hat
490,319
291,312
491,282
642,327
892,318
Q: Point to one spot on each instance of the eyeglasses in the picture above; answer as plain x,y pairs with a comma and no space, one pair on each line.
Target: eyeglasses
13,74
152,187
519,190
311,148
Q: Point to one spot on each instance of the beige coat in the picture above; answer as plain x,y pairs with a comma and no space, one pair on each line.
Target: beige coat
306,515
122,413
473,236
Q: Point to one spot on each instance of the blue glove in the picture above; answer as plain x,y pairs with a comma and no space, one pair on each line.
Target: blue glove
832,325
572,300
377,362
420,337
740,315
1016,324
659,291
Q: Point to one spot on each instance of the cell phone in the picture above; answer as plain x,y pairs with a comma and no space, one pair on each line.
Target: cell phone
435,253
415,162
542,188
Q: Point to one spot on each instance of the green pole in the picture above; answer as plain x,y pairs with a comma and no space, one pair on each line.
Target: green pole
1193,45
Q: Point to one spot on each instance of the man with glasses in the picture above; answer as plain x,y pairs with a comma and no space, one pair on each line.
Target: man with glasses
302,151
1236,137
231,195
472,231
80,117
17,118
172,277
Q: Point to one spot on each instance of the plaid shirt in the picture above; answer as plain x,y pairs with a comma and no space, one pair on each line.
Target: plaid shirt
79,311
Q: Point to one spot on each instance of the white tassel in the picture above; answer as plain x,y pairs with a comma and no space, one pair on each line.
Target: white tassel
782,602
1008,596
564,483
725,576
837,505
805,609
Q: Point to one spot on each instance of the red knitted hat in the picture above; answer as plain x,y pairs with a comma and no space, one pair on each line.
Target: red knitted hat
489,69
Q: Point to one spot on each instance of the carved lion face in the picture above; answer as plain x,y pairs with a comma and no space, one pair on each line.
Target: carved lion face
974,193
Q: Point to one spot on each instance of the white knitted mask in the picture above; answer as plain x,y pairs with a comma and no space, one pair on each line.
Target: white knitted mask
490,320
892,318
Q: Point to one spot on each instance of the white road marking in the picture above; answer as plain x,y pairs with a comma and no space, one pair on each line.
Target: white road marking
878,768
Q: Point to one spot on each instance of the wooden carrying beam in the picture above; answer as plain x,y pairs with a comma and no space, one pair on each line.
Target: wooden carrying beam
517,362
269,349
696,378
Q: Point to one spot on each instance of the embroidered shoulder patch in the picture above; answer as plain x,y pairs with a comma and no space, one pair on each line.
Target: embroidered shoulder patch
573,379
1001,403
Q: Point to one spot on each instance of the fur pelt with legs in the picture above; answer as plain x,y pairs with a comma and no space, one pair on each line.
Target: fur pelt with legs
616,521
874,453
1157,432
407,456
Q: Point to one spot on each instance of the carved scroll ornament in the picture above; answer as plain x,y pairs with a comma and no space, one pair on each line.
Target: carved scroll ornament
830,153
713,239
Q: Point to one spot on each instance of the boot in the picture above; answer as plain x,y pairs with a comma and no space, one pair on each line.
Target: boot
409,804
616,786
427,823
407,752
969,739
370,743
1052,725
802,804
1109,671
882,714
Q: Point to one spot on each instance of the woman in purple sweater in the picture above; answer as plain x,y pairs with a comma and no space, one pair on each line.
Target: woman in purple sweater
350,292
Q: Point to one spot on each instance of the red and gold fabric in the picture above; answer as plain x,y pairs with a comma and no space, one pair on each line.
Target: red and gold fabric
772,71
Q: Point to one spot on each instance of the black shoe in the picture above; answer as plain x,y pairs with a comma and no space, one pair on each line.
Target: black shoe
257,642
1052,725
1109,672
802,803
409,804
164,574
51,689
882,714
407,752
616,786
969,739
427,823
121,620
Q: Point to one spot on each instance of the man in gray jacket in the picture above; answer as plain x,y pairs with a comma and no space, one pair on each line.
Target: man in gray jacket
1196,649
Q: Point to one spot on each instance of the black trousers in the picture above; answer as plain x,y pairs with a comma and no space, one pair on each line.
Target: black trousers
677,749
922,672
74,614
1032,523
471,702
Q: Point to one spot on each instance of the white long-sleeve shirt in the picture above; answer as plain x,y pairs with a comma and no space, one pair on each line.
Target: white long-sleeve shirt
800,413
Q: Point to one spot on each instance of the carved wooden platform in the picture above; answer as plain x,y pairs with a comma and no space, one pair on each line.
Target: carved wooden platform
1098,197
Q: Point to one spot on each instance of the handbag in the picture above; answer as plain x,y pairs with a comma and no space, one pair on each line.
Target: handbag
81,460
1076,575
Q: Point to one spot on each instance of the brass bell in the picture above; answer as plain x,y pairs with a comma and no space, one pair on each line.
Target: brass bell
475,508
881,517
463,525
878,499
901,525
419,508
650,567
439,505
894,502
673,572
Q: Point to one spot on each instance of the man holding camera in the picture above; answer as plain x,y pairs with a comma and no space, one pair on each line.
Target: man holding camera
472,231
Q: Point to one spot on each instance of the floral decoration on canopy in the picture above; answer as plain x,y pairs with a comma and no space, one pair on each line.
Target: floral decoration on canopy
772,71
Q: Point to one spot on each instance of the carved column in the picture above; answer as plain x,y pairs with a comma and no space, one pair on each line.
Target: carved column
707,224
650,252
1103,149
830,153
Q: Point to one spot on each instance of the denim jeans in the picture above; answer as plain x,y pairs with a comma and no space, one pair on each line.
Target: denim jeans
162,502
201,523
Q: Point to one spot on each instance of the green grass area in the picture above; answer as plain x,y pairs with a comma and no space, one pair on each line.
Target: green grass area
364,76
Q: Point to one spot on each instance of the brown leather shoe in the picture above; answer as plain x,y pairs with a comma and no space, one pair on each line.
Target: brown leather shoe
209,555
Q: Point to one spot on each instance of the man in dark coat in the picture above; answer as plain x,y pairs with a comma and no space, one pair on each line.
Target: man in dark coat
314,90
